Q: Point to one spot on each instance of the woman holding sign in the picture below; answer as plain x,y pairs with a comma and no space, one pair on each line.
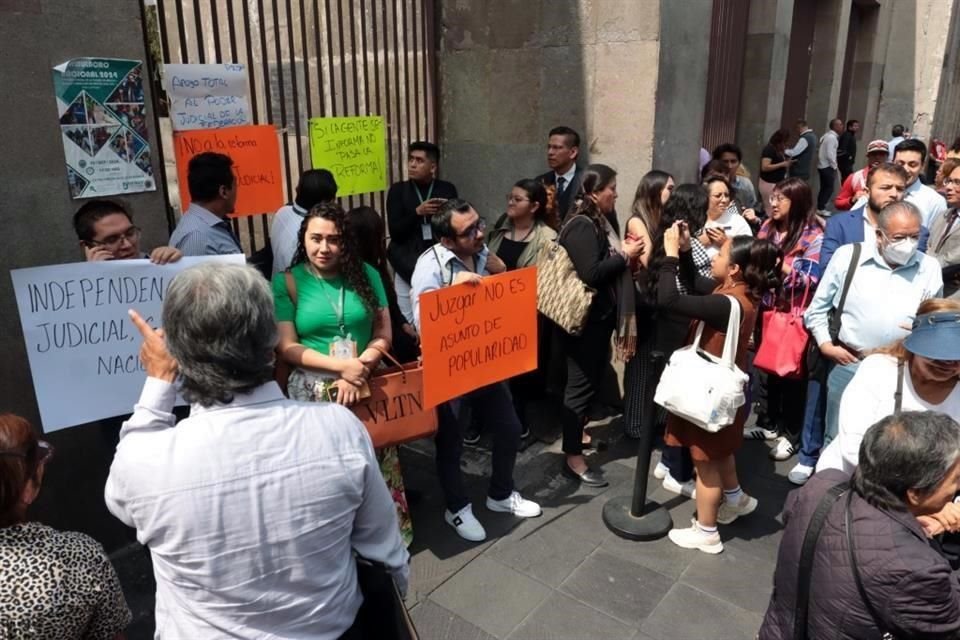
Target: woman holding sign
334,325
519,236
592,240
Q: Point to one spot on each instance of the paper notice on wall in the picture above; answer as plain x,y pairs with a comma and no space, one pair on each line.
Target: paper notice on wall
207,96
103,126
83,349
353,149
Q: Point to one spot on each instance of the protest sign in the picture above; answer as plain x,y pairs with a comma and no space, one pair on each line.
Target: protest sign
353,149
256,163
207,96
475,335
103,126
83,349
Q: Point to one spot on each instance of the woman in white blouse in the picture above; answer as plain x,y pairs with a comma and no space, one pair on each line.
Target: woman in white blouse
927,364
723,218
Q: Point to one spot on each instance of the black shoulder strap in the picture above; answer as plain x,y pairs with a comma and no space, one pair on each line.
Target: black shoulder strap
805,568
898,394
838,314
851,549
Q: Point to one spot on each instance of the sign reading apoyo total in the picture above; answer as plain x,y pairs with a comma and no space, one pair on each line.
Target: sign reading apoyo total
475,335
83,349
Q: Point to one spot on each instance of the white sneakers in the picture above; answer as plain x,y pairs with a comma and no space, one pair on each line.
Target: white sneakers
695,538
800,474
466,524
687,489
782,449
729,512
515,504
756,432
469,528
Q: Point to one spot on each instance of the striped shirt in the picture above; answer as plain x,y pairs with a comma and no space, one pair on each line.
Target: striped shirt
201,233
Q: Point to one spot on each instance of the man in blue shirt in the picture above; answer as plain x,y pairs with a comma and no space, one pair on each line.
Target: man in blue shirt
203,229
891,279
460,257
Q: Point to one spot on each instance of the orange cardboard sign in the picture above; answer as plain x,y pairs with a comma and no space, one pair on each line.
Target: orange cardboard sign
256,163
475,335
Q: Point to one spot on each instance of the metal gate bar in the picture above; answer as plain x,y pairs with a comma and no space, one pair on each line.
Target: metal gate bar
363,57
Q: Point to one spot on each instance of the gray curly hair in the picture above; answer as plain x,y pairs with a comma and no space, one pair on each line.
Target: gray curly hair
220,327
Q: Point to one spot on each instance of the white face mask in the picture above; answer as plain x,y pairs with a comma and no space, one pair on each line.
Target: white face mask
900,251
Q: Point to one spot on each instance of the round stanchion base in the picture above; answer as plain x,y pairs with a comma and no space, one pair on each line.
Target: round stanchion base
652,525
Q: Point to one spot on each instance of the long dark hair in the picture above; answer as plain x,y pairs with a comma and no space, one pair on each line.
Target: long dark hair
802,212
688,203
779,139
647,204
538,194
370,236
596,177
351,262
759,262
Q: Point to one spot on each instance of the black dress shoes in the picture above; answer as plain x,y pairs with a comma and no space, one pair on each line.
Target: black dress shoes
590,477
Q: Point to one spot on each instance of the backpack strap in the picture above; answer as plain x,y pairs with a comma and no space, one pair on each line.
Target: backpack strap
805,569
851,549
898,394
291,287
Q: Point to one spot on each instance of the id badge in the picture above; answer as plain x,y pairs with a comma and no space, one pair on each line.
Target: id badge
426,231
343,348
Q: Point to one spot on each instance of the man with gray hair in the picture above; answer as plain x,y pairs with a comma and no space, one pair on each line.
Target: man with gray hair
253,506
888,279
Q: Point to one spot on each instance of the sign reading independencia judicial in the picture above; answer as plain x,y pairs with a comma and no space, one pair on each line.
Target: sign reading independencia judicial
475,335
82,347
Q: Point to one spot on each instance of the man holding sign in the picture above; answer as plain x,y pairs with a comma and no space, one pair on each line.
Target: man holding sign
460,257
203,230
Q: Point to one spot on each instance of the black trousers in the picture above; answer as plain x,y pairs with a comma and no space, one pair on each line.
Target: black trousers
492,407
828,180
780,404
587,356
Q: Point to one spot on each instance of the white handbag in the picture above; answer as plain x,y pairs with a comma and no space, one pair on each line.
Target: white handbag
701,388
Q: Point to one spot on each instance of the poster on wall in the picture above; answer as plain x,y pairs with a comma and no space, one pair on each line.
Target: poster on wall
103,125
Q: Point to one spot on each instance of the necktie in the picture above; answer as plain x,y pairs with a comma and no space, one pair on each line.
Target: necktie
561,183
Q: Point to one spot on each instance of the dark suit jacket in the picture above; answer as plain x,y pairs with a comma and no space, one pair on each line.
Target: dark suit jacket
406,236
565,203
847,228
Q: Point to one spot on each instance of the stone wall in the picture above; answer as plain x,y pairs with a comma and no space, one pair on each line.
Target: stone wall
510,70
36,215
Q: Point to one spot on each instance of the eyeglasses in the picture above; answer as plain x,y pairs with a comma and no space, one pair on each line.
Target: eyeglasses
114,241
474,229
511,199
951,182
775,199
44,452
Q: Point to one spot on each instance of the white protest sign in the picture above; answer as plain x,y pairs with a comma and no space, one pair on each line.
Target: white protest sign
83,348
207,96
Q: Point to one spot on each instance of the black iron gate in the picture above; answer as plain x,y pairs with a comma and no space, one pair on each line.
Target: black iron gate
308,58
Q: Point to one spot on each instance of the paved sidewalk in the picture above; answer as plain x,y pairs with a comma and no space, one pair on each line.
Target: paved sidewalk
564,575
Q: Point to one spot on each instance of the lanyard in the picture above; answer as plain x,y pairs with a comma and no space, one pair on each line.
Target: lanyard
337,308
420,196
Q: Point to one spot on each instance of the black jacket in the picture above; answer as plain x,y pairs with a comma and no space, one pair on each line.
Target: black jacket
909,584
566,201
846,151
589,250
406,234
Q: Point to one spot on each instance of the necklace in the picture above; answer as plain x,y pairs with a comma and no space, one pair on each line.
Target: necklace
513,234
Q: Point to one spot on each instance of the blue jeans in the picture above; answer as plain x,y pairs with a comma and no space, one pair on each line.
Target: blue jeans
493,405
837,381
811,435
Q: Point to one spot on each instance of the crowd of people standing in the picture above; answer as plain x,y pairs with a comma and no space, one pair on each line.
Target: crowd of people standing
271,489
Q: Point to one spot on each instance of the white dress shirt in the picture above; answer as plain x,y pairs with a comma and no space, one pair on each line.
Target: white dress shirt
283,235
251,511
892,146
798,148
869,398
930,203
880,301
827,154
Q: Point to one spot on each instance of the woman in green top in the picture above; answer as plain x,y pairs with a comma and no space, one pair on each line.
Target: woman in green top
335,329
